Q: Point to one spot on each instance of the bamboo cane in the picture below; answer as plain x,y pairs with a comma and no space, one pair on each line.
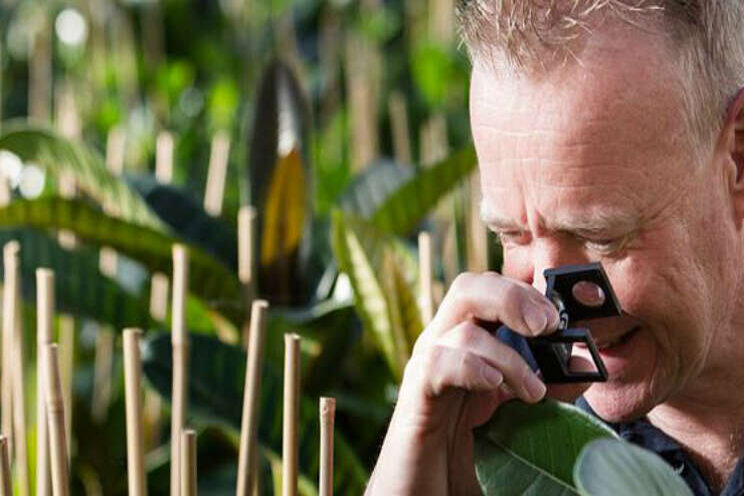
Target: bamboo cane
164,157
248,458
246,268
188,463
5,486
135,442
327,417
102,370
180,342
159,296
399,127
13,315
426,278
67,370
56,419
7,372
218,161
291,413
45,315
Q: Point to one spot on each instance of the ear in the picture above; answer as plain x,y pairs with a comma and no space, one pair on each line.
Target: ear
732,142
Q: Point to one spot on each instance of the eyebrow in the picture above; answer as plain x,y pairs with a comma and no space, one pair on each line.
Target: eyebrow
593,224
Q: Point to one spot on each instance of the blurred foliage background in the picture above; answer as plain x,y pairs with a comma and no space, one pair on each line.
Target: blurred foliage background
343,123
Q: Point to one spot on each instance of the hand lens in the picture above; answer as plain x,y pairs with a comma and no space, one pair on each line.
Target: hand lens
579,292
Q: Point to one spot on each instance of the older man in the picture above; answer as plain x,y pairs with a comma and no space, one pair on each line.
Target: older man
612,131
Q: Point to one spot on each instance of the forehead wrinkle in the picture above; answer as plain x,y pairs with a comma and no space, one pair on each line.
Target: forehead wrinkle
596,221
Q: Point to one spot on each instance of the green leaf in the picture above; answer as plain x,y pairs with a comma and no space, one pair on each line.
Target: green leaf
609,467
280,179
383,296
80,288
216,379
61,155
531,449
406,206
208,278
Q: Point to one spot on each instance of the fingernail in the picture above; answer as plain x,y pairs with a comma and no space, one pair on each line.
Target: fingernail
553,317
493,376
536,318
535,387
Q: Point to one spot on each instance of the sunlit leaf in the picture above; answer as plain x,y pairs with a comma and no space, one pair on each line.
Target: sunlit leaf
64,156
208,278
531,449
383,297
609,466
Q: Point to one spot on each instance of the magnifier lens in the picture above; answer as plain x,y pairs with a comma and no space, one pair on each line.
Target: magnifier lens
588,294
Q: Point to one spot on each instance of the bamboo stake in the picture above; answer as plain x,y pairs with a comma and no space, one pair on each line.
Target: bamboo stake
5,487
102,367
426,277
40,73
45,315
67,366
56,419
218,161
135,442
13,310
159,296
246,265
327,418
115,141
248,458
188,463
399,127
7,372
180,342
291,413
164,157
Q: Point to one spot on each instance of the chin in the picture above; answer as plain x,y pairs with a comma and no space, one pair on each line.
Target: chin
617,402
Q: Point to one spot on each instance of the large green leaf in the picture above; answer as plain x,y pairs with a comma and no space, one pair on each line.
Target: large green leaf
208,278
281,184
532,449
607,467
62,155
180,210
216,377
80,288
383,295
406,206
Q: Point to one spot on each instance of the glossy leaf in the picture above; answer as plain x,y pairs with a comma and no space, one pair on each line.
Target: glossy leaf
607,467
80,288
216,377
409,204
374,186
280,184
184,214
208,278
532,449
383,296
60,155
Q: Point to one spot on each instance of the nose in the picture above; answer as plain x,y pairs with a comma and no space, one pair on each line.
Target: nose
552,252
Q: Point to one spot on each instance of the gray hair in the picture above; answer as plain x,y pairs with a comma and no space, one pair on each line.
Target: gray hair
529,35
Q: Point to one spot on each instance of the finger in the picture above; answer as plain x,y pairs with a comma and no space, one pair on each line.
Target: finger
492,297
517,373
442,368
570,392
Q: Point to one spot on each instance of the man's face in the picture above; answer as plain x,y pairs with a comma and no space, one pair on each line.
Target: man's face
593,163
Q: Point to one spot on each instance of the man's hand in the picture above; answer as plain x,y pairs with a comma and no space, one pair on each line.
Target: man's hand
457,376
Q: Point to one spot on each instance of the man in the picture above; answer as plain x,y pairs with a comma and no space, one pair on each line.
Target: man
610,131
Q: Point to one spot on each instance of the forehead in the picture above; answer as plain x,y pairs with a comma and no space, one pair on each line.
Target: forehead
597,139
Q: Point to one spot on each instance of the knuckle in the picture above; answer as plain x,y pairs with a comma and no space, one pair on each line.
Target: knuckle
511,296
461,282
467,335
